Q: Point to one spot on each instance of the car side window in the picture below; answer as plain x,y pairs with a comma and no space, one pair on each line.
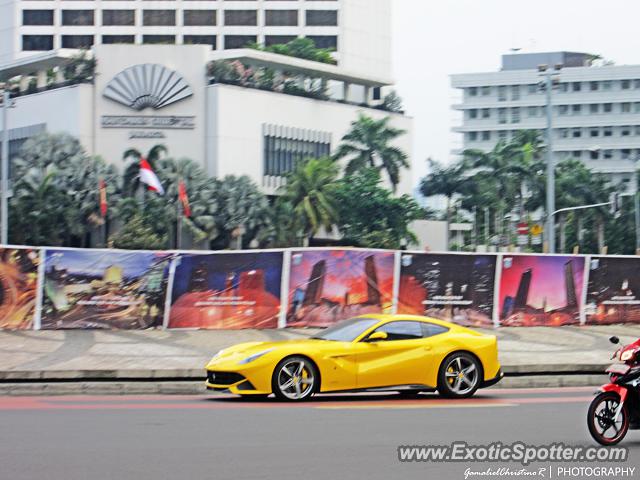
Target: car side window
431,329
402,330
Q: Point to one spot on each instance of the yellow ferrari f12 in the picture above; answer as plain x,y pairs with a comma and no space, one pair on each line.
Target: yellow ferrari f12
373,352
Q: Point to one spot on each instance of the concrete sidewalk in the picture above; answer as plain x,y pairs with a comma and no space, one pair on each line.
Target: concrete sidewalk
530,356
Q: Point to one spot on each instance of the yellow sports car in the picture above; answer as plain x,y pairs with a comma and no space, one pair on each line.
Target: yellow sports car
371,352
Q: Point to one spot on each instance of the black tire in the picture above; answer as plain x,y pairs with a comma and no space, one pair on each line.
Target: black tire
305,380
600,421
451,384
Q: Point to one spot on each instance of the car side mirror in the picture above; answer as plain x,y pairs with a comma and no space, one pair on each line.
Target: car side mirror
615,340
377,336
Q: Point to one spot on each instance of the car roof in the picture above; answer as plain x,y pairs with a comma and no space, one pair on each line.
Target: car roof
387,317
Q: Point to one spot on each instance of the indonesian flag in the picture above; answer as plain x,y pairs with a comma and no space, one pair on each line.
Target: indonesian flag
148,177
183,197
103,198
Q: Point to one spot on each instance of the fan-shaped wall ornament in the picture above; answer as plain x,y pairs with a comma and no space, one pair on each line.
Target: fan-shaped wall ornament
147,85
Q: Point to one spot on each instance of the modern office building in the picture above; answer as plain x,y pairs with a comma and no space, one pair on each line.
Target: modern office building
596,109
358,30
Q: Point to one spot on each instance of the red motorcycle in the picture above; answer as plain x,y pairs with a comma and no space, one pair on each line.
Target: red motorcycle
616,408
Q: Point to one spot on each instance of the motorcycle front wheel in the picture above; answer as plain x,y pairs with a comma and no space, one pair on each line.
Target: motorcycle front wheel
603,426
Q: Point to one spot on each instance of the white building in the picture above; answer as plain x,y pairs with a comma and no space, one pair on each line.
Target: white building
142,95
596,109
359,30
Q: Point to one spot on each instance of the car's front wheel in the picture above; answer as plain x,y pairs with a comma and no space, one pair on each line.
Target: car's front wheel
295,379
459,376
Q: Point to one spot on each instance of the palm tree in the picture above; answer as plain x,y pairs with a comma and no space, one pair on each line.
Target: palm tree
131,176
367,145
309,191
447,181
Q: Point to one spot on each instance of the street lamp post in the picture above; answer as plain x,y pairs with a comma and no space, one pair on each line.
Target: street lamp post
4,170
551,180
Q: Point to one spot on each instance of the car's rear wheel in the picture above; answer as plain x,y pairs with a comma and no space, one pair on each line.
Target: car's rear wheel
459,376
295,379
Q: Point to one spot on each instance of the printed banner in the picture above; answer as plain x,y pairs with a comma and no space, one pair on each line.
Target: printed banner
613,294
456,288
227,290
327,286
104,289
540,290
19,284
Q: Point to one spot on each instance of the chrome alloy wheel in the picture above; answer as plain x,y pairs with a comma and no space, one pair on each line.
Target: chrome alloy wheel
296,379
461,375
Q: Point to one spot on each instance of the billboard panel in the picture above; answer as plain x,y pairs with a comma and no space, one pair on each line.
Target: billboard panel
613,292
456,288
326,286
540,290
104,289
227,290
18,287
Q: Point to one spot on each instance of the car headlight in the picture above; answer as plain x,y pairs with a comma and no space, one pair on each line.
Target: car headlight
253,357
628,355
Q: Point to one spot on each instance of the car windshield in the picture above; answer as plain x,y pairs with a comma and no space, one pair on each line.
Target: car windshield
347,330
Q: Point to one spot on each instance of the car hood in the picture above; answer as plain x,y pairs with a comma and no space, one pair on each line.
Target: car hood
243,350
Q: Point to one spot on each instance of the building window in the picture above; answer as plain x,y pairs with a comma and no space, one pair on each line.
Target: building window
606,85
502,93
533,111
246,18
563,87
594,132
576,86
625,153
37,42
636,107
594,108
532,89
576,109
473,91
281,18
563,133
502,115
502,135
77,41
77,17
515,115
278,39
159,18
607,154
238,41
325,41
37,17
473,136
636,84
200,40
594,86
515,92
159,39
607,131
576,133
594,154
486,135
281,155
486,91
625,107
111,39
637,130
577,154
486,113
625,84
625,131
607,107
199,18
118,17
473,113
563,109
322,18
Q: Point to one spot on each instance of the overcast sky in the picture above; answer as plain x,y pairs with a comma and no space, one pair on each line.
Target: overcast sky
435,38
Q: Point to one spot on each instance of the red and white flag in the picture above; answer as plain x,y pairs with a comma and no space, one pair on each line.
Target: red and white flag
149,178
103,198
184,198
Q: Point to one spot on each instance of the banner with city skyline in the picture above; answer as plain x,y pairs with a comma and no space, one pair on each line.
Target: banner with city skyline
452,287
19,286
104,289
541,290
613,292
226,290
326,286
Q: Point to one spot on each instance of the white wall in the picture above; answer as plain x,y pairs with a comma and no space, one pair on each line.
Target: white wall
235,139
432,235
8,19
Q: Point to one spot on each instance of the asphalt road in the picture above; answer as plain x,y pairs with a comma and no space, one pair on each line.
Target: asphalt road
333,437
